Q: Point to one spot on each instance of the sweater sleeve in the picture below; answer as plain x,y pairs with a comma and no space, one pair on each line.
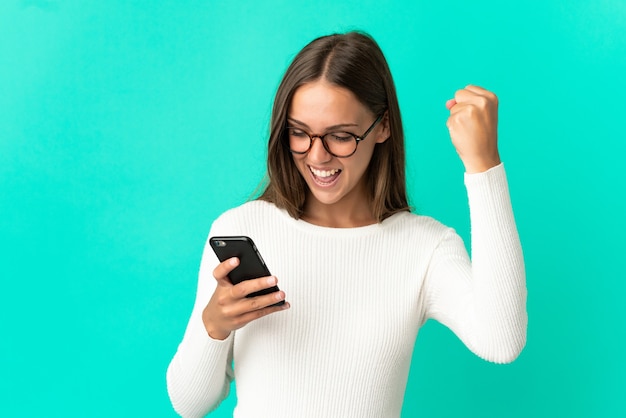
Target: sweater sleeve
483,301
199,375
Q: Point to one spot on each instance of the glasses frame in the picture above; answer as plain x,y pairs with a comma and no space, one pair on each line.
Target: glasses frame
356,137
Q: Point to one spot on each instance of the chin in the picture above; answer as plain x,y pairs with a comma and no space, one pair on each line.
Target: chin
326,198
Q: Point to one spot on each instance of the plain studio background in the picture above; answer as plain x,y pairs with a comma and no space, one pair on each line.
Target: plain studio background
126,127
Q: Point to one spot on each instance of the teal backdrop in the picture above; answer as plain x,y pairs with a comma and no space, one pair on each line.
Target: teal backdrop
126,127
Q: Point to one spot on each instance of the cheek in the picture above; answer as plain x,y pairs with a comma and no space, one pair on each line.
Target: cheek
298,162
363,158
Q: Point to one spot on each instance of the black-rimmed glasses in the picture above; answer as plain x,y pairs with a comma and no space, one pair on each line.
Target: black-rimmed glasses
338,144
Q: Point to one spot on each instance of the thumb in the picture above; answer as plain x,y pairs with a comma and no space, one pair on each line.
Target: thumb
450,103
223,269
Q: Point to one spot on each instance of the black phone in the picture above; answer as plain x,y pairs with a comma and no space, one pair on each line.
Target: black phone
251,264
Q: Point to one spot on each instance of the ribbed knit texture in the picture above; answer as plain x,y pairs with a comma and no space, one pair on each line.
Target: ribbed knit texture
358,298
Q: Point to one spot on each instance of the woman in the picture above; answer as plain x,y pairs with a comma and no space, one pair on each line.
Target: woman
361,273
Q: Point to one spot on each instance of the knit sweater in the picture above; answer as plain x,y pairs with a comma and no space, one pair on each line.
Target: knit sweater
358,298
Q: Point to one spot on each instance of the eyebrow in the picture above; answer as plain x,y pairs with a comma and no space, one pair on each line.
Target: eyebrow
329,128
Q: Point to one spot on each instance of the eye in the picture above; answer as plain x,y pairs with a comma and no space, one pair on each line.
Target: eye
297,133
340,137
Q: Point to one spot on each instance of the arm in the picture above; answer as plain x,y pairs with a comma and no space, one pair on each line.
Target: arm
482,301
199,375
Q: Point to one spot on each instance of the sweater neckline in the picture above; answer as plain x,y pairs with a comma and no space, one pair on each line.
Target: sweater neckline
357,231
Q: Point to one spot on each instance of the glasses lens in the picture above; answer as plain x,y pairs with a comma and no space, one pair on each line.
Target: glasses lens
299,140
340,144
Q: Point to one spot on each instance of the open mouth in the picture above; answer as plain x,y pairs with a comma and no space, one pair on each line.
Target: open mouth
325,177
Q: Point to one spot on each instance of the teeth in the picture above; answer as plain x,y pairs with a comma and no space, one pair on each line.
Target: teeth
323,173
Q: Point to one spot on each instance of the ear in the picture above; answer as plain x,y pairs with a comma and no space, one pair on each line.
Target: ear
384,132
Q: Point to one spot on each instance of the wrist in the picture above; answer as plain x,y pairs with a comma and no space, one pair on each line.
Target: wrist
480,166
216,333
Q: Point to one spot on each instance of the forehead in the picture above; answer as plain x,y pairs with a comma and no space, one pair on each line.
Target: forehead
320,102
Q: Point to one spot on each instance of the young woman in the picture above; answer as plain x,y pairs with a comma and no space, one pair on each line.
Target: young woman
361,273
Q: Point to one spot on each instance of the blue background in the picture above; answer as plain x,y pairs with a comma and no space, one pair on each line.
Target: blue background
126,127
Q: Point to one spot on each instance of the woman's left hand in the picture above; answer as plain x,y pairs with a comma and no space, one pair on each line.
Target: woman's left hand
473,126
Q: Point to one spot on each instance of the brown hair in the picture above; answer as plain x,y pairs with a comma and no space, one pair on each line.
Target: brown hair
353,61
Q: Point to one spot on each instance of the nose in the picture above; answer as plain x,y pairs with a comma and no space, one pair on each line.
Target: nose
318,153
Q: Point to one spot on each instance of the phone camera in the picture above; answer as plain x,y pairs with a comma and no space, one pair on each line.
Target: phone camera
220,243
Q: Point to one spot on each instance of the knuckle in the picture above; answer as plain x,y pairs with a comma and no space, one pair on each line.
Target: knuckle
482,101
243,290
239,322
454,120
227,311
222,300
254,304
495,101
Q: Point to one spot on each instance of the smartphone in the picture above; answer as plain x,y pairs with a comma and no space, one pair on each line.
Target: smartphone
251,264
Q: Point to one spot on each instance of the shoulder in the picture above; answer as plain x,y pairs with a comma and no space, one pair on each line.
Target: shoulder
242,217
412,221
254,208
411,226
411,240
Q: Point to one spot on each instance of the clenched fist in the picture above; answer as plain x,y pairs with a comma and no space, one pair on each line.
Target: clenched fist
473,126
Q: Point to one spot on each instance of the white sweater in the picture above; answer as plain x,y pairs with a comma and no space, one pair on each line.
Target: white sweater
358,298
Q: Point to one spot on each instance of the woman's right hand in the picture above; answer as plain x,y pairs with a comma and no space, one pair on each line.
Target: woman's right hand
229,308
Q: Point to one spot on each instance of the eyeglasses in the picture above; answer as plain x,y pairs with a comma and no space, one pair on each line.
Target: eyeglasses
337,144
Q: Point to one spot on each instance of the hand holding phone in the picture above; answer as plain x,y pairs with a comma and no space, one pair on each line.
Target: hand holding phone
245,290
251,264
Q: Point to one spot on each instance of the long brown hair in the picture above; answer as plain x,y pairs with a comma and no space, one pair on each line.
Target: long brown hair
353,61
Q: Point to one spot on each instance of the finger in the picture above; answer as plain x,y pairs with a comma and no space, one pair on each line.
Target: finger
450,103
459,107
245,306
259,313
463,95
246,287
478,94
476,89
223,269
260,302
471,99
469,92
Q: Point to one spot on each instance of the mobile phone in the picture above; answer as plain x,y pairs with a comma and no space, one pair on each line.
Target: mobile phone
251,264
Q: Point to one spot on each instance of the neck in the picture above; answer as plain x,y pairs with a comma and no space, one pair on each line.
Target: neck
348,213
